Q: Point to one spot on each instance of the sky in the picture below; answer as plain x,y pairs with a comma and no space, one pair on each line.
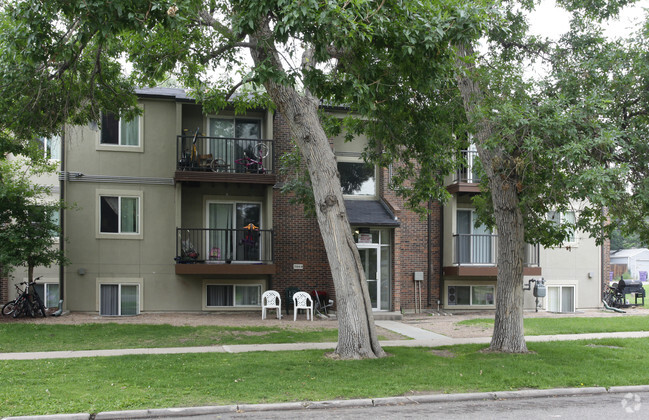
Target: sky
551,21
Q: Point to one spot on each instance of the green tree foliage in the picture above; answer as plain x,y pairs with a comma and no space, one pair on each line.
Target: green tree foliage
572,138
30,228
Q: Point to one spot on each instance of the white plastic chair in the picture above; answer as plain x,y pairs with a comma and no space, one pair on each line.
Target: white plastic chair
302,300
271,300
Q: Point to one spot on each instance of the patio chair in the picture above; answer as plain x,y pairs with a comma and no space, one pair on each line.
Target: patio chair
290,291
302,300
271,300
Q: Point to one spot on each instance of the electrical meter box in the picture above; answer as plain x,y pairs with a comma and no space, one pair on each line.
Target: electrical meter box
539,290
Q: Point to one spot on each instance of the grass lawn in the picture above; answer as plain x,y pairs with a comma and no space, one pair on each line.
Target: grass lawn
19,337
577,325
137,382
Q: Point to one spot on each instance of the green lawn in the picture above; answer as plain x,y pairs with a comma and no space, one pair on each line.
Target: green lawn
19,337
570,325
137,382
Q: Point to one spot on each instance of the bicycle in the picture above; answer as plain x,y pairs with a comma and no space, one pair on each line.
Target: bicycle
256,164
191,161
27,302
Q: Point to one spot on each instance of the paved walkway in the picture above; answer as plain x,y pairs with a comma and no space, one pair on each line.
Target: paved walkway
419,338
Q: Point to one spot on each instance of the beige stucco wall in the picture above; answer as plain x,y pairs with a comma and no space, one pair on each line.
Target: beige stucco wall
578,265
146,259
561,266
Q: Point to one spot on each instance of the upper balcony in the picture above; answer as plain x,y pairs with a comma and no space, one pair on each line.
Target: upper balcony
220,159
224,251
466,178
476,255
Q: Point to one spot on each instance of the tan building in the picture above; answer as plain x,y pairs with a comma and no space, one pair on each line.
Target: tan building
573,273
179,210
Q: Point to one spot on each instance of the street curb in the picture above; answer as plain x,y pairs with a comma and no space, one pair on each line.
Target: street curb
316,405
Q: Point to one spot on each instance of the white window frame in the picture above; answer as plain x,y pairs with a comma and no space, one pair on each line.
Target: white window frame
119,147
472,248
359,160
560,287
261,284
206,217
471,304
47,282
47,142
572,241
234,120
120,194
138,282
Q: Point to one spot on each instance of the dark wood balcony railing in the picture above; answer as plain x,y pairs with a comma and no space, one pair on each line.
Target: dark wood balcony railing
214,246
224,155
482,249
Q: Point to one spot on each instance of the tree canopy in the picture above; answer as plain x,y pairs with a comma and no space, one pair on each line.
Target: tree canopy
427,79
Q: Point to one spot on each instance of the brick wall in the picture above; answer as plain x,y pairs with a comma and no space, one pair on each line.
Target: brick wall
4,286
297,237
606,262
298,241
410,252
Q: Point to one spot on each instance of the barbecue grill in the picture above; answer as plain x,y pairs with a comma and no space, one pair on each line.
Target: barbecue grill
625,287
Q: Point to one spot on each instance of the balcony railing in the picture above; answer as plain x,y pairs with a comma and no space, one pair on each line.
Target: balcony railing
224,155
467,172
214,246
482,249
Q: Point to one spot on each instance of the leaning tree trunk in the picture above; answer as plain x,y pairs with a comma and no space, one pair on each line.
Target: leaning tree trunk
357,337
508,335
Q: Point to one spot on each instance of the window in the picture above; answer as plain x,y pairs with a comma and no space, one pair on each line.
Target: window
118,132
561,299
357,178
51,147
49,292
475,244
562,218
119,214
470,295
235,139
119,299
234,231
233,295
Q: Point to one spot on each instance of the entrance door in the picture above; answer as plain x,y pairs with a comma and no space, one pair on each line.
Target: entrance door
372,267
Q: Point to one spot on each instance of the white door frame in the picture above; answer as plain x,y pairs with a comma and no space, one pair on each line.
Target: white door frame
377,247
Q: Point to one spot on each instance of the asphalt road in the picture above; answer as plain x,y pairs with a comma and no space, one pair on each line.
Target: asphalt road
607,406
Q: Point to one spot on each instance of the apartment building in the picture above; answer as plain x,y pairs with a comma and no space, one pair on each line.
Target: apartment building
180,210
573,273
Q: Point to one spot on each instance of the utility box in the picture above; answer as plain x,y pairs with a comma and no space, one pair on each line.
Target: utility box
419,276
539,290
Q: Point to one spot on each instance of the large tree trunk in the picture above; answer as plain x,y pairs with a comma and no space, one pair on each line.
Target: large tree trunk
357,337
508,335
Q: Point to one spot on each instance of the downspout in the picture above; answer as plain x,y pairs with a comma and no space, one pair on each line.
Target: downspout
61,224
430,257
441,257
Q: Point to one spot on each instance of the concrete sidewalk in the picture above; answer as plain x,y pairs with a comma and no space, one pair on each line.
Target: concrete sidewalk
420,338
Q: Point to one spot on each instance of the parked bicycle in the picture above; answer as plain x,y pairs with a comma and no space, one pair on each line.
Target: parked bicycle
27,302
253,164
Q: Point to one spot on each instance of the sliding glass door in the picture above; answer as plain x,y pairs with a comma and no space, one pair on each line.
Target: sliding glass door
234,231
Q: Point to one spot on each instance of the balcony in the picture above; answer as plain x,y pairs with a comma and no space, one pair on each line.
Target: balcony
466,178
476,255
220,159
224,251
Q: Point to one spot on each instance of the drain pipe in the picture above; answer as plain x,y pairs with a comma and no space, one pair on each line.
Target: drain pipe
61,224
430,257
441,259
